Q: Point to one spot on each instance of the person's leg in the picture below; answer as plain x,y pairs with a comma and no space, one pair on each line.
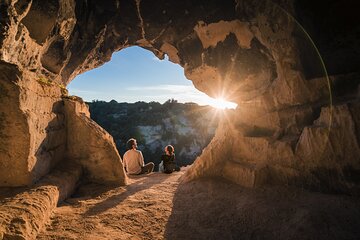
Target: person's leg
148,168
168,168
177,168
168,171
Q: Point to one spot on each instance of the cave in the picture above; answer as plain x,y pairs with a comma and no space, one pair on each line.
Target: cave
293,74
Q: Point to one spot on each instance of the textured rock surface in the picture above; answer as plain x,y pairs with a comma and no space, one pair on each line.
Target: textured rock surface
91,146
252,52
22,216
33,133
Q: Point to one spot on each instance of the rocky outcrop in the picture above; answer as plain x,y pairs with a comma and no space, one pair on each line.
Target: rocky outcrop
91,146
255,53
329,149
22,216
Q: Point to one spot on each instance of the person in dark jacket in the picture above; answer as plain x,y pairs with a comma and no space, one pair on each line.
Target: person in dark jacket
168,160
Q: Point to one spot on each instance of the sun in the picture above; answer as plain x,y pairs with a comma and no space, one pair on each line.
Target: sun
221,103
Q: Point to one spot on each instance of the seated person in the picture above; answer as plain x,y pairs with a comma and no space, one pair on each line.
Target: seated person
134,160
168,160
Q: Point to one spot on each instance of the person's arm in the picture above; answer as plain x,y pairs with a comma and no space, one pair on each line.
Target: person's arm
125,163
141,159
165,158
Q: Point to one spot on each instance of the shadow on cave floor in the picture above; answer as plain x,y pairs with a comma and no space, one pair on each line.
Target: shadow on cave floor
217,209
158,206
136,184
139,210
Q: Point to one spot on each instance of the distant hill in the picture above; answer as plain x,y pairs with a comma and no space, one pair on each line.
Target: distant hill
187,126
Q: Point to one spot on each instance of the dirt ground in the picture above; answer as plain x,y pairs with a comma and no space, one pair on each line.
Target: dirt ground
157,206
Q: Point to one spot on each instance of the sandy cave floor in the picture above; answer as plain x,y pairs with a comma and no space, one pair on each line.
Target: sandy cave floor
157,206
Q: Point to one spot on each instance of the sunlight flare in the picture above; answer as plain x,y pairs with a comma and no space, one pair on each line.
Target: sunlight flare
221,103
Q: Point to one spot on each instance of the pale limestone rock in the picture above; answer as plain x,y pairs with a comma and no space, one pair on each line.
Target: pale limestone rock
171,51
206,79
211,34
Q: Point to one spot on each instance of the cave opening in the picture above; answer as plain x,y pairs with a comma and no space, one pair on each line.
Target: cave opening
285,133
137,95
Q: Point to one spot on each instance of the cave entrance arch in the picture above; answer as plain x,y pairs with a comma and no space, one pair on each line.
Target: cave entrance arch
154,103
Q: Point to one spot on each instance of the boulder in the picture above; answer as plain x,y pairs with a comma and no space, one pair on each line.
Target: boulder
91,146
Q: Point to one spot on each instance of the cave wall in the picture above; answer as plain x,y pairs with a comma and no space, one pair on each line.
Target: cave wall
33,135
258,54
34,129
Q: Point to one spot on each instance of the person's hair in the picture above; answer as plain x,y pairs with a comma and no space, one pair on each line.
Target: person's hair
170,149
130,143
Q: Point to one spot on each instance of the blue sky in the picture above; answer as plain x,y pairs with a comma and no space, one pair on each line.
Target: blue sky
135,74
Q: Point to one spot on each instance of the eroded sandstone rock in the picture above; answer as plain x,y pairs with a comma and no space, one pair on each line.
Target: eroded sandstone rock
91,146
255,53
33,127
22,216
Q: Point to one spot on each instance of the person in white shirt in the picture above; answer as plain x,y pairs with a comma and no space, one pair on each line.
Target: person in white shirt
134,160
